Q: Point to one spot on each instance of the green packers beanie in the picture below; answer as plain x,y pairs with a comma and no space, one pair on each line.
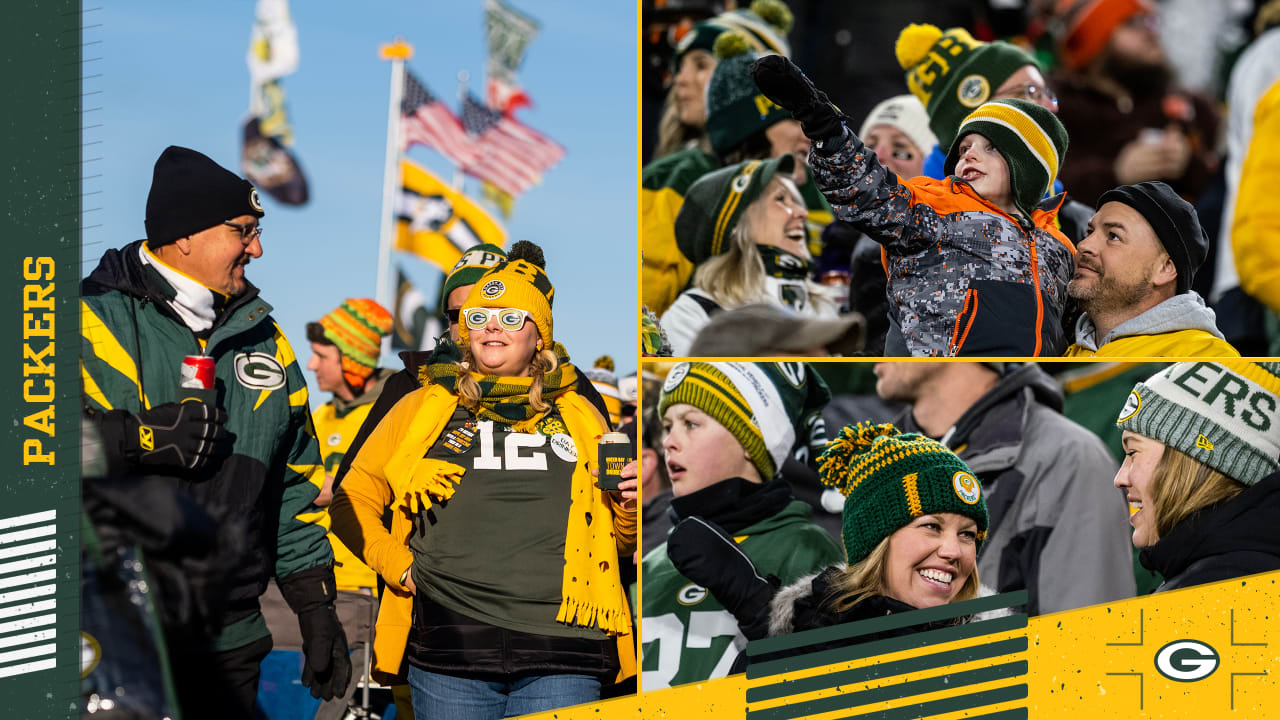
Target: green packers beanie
736,109
764,25
190,192
475,262
756,403
1031,140
714,204
890,478
1225,415
952,73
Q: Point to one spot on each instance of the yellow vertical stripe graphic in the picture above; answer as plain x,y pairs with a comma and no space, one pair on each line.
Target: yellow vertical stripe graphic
108,349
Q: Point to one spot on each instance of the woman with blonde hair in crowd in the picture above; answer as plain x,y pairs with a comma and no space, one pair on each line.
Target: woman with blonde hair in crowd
1202,451
914,520
743,227
503,589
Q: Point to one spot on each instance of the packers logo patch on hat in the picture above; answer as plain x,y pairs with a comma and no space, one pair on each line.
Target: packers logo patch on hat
493,289
253,200
1131,406
674,377
743,179
967,487
973,91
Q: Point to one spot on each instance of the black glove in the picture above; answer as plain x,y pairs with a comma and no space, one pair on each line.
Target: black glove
310,593
184,435
782,82
703,552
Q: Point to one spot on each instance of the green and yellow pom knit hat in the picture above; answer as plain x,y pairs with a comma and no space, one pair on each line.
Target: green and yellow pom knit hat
715,203
771,408
1031,140
357,327
736,109
952,73
474,263
764,25
890,478
1225,415
517,282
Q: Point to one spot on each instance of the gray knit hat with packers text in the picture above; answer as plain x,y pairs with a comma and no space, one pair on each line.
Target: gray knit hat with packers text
773,409
1225,415
715,203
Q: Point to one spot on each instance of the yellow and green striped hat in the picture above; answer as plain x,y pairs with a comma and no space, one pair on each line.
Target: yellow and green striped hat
890,478
1031,140
715,203
357,327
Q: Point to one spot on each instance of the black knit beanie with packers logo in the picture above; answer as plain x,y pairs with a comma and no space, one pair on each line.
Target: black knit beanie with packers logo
190,193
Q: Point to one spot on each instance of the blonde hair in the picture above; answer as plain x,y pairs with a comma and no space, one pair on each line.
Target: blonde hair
674,135
1181,485
866,578
542,362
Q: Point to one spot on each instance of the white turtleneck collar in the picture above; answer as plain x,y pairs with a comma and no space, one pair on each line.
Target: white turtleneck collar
193,302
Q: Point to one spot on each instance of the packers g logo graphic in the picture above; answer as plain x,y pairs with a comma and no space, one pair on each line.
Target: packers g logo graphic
967,487
1131,406
259,371
691,594
674,377
493,289
253,200
973,91
743,179
1187,660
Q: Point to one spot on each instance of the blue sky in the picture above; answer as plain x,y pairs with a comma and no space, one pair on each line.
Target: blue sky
175,73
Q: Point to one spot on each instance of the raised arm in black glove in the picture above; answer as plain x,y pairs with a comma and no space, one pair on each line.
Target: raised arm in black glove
782,82
186,436
310,594
703,552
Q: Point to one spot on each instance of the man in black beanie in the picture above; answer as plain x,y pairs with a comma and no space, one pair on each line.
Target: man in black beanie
238,440
1133,279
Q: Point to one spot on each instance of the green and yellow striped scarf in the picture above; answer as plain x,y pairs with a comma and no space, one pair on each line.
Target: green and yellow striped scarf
504,399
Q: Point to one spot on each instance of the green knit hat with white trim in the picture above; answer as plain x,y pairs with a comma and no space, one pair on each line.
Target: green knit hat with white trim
736,109
1225,415
890,478
768,407
715,203
474,263
1031,140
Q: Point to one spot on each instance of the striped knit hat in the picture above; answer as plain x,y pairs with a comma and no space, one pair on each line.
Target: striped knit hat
1225,415
890,478
764,25
606,383
517,282
715,203
474,263
773,409
952,73
357,327
1031,140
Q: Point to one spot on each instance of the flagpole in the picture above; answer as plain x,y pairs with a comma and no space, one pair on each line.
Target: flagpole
397,52
463,77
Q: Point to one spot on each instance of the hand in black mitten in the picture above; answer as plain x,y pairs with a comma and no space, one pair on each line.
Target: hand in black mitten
310,594
784,83
703,552
186,435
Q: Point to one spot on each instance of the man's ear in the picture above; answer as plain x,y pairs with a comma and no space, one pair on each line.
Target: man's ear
1166,272
183,244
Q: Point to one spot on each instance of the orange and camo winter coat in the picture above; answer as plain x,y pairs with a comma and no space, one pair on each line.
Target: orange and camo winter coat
964,277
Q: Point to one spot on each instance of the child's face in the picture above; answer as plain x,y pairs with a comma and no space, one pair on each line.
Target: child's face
983,167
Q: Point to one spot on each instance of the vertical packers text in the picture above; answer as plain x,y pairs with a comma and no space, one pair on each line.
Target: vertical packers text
37,360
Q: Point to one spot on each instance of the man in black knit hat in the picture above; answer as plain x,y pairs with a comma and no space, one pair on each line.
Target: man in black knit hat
245,449
1133,279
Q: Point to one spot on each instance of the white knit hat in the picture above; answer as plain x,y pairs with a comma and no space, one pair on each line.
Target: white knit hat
905,113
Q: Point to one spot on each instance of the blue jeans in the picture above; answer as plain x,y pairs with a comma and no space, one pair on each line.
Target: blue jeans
445,696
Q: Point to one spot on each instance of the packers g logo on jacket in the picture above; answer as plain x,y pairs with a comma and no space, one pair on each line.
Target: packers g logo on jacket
259,371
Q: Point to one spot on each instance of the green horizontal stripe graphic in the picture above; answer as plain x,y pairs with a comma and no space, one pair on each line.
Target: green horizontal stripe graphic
949,705
884,670
889,693
888,622
888,645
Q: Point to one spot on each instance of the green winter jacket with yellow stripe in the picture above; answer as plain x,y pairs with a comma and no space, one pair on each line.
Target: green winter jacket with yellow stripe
132,345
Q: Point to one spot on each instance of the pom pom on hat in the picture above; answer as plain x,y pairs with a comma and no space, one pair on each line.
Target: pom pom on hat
914,42
604,362
729,45
774,12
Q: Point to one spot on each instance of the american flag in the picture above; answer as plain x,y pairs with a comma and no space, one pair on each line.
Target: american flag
507,154
428,121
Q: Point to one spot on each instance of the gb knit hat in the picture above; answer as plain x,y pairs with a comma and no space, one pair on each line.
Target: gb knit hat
1084,27
764,25
520,282
736,109
1174,221
772,409
189,193
356,327
474,263
890,478
1031,140
952,73
1225,415
905,113
715,203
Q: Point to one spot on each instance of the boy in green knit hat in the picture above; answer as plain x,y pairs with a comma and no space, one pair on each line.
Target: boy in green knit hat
977,265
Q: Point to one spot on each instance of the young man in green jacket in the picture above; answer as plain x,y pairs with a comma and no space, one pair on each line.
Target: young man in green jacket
245,449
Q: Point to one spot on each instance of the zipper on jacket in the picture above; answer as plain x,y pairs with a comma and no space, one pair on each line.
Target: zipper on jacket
964,321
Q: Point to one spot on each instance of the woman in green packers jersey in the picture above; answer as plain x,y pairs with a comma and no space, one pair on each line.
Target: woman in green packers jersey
914,519
504,594
743,227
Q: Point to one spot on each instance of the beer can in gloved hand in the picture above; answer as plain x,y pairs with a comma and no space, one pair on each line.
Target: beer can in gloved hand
197,381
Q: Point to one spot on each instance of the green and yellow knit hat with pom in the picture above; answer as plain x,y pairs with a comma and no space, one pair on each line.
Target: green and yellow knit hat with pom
517,282
736,109
952,73
764,25
889,478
